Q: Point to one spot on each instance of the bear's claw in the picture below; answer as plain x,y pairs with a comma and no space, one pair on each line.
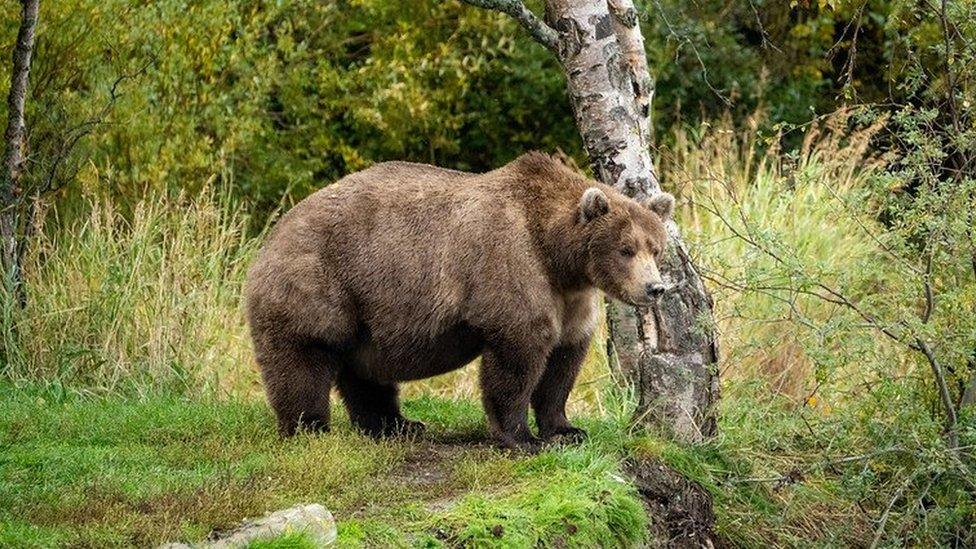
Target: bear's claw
568,434
528,444
409,427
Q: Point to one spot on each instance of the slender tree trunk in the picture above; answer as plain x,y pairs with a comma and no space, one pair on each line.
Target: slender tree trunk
667,352
14,145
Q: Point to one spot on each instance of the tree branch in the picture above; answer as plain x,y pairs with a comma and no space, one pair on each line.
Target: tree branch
541,33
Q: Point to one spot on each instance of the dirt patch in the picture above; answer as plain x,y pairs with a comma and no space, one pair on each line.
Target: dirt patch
431,457
426,466
427,469
680,510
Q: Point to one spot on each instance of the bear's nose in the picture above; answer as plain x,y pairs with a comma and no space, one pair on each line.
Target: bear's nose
655,289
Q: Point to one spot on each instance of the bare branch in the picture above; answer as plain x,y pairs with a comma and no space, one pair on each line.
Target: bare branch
940,381
541,33
75,134
879,532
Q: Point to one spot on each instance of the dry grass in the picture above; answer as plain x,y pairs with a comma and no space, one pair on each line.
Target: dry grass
151,300
136,303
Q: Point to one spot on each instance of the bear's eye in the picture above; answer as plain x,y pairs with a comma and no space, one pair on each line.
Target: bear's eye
628,251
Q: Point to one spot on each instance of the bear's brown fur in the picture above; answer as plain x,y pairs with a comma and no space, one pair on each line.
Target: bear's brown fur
405,271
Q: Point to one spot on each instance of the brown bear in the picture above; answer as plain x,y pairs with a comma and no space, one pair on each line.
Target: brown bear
405,271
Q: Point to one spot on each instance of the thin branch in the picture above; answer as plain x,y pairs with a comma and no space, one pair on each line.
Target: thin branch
681,40
834,296
879,532
940,381
541,33
937,370
77,133
823,464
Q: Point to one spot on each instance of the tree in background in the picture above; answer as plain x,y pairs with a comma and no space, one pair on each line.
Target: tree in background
15,144
667,351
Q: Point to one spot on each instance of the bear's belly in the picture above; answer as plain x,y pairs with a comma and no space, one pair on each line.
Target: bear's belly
395,359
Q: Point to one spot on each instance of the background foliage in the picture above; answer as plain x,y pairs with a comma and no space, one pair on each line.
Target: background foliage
290,95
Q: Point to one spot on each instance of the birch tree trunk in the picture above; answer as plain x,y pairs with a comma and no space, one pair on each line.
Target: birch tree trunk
13,159
667,352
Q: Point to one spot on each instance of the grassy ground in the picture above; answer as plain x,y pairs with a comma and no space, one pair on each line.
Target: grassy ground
84,470
97,471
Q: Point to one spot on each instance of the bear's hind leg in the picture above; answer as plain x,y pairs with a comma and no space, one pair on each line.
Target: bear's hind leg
298,379
374,407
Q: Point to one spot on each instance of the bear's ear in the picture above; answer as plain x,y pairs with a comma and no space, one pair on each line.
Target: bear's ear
662,204
593,204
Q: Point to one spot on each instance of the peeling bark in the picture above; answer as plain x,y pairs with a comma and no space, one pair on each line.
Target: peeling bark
668,352
13,160
634,58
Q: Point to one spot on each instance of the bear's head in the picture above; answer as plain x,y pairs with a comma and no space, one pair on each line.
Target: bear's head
626,241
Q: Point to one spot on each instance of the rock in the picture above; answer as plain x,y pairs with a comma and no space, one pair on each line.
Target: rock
314,520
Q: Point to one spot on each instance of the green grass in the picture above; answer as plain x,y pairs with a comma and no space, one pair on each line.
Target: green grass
104,470
114,471
293,540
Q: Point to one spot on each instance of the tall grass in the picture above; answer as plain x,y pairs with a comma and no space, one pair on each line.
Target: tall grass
150,301
827,431
798,205
136,303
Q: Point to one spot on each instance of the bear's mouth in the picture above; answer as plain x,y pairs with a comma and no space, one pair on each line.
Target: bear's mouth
618,293
636,301
643,299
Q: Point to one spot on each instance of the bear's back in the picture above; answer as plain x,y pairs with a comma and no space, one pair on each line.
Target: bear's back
393,247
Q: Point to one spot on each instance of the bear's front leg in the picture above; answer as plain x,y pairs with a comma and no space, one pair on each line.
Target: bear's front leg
552,392
509,373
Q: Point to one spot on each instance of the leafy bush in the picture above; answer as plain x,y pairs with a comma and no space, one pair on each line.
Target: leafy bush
289,96
283,95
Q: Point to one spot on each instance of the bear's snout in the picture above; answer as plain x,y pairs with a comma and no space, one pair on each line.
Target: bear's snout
654,289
